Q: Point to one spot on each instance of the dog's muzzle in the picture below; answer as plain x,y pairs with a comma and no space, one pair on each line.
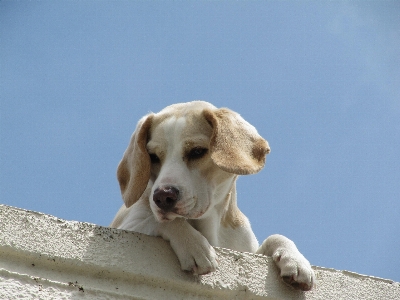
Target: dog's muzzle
166,197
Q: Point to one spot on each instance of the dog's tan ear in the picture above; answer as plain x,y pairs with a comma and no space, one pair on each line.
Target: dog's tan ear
133,171
236,147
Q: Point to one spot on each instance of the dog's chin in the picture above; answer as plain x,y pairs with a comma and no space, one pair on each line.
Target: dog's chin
166,217
170,216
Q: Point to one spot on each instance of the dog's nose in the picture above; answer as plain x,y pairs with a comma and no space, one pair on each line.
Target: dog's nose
166,197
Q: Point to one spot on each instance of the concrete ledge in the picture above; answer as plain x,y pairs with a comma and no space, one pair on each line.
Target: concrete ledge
48,258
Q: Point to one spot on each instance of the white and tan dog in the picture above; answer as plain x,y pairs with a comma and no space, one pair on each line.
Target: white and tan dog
177,179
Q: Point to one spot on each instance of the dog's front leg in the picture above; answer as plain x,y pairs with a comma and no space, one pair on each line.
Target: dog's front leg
194,252
295,268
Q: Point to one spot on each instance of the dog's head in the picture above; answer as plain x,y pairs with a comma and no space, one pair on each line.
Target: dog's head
188,155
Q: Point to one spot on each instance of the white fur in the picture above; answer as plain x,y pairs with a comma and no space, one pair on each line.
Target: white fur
197,222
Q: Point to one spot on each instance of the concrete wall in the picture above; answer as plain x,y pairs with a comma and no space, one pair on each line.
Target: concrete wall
43,257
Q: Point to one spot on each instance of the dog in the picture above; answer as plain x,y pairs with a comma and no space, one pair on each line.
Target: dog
178,181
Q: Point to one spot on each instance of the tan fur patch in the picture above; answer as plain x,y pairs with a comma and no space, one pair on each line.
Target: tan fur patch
133,171
235,144
232,217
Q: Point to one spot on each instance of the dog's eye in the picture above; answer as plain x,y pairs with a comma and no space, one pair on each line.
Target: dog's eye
197,153
154,159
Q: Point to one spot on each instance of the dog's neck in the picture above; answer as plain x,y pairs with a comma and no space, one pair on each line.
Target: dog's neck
225,214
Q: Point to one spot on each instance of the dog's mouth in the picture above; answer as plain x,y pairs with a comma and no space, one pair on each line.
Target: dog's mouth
172,215
167,216
187,209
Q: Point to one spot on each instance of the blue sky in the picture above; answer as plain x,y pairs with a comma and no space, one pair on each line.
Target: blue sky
319,80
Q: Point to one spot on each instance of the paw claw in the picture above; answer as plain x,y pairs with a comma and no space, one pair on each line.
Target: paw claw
302,286
296,285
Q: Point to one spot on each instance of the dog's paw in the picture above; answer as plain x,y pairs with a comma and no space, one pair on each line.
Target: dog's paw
295,269
196,255
199,262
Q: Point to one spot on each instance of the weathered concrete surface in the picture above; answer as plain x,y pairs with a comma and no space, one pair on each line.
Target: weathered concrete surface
43,257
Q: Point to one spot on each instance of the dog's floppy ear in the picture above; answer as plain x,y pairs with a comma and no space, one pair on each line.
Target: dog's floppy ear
133,171
236,147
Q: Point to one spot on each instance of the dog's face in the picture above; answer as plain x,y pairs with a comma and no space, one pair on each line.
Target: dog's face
184,176
188,155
